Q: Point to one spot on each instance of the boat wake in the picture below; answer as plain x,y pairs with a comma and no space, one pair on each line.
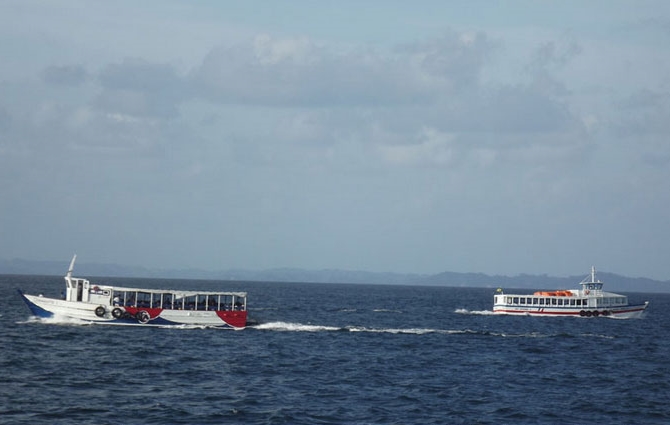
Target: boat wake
474,312
294,327
56,320
299,327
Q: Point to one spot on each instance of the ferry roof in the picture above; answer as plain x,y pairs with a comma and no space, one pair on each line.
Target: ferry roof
182,292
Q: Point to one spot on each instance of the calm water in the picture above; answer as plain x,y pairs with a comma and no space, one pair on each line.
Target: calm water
336,354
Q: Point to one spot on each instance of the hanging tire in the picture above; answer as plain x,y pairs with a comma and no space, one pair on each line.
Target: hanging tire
117,313
582,313
596,313
588,314
142,316
100,311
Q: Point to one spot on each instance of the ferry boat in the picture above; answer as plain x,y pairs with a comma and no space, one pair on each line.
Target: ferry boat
116,305
589,301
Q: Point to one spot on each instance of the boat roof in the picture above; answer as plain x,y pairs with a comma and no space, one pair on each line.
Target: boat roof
181,292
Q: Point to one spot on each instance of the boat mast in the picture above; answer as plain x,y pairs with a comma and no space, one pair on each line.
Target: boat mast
593,274
70,285
69,271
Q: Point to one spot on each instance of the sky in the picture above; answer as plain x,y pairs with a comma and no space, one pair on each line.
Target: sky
502,137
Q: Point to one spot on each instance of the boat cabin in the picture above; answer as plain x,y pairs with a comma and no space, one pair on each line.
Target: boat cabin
81,290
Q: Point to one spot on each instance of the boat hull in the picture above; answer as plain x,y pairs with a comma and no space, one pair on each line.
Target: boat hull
45,307
623,312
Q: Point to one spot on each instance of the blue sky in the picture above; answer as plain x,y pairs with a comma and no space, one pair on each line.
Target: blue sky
498,137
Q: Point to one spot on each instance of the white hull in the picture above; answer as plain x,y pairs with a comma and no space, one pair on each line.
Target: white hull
628,312
52,307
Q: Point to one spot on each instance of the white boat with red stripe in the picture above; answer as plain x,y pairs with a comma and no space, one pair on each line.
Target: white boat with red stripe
589,301
117,305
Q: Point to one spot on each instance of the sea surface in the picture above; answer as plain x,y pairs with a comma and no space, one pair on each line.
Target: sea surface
335,354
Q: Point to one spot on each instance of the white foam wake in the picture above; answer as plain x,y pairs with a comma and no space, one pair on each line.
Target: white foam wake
295,327
474,312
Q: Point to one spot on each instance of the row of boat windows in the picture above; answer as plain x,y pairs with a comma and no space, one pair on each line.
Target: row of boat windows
572,302
546,301
175,302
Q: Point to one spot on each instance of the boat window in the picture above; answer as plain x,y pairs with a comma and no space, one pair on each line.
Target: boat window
541,301
516,300
202,302
167,301
189,302
553,301
522,301
535,301
118,298
226,302
509,300
572,301
239,303
560,301
156,300
143,299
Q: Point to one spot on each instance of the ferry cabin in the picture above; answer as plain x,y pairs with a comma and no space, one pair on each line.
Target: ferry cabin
81,290
573,301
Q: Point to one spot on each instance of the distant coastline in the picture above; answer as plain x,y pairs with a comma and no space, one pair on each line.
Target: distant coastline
57,268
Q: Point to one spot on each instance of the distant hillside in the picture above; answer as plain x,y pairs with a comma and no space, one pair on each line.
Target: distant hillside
524,281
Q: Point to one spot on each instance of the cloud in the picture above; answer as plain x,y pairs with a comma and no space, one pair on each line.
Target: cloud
298,72
138,88
66,75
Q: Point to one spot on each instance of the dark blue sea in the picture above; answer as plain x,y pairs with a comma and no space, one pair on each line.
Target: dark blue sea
336,354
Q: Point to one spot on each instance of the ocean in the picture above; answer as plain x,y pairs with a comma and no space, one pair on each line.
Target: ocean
335,354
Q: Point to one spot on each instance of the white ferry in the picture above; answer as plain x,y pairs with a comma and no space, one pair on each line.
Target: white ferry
117,305
590,301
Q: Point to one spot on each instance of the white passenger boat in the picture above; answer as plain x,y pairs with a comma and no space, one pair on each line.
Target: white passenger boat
589,301
116,305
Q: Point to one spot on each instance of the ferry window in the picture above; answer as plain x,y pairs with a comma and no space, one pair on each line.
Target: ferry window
167,301
226,302
118,298
516,300
189,303
535,301
572,302
509,300
212,302
156,300
143,299
202,302
529,300
239,303
541,301
522,301
560,301
553,301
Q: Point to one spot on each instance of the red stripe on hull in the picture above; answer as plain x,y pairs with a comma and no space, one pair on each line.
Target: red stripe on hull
236,319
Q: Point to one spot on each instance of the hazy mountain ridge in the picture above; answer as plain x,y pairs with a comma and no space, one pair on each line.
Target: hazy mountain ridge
613,281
